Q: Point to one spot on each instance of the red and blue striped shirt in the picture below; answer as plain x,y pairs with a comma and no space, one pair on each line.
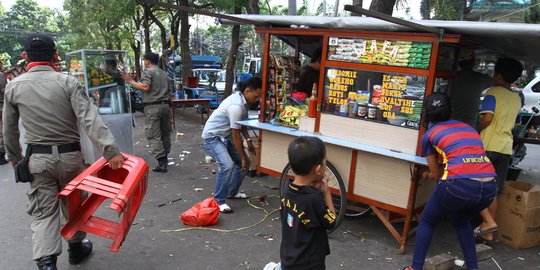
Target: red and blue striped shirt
460,148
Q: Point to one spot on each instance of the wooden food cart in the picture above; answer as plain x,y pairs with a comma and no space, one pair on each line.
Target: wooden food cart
373,79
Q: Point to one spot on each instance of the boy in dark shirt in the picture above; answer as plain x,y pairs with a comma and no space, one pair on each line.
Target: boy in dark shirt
307,210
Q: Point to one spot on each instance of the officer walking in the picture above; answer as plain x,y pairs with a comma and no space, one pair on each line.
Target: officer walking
52,106
154,84
3,82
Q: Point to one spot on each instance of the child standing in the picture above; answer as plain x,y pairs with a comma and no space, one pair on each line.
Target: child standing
500,109
307,210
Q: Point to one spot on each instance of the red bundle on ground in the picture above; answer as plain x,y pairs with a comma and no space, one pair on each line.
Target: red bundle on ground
202,214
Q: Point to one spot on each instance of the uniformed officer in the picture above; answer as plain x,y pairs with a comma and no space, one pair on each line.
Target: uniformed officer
156,99
52,106
3,82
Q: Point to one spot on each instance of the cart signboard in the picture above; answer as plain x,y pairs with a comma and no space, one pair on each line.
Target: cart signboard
401,53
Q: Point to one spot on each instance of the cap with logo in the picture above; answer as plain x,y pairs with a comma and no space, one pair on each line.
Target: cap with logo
39,42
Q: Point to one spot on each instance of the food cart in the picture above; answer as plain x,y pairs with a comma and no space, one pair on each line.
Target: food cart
99,72
373,79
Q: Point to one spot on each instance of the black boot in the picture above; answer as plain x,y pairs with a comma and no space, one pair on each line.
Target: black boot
162,165
79,251
47,263
3,158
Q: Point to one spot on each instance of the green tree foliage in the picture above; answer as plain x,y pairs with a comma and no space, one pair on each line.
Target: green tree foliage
24,17
100,23
532,15
445,9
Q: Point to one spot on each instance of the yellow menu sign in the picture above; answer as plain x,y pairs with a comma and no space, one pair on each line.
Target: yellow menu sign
340,84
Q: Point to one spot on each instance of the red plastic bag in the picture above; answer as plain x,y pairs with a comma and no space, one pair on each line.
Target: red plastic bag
202,214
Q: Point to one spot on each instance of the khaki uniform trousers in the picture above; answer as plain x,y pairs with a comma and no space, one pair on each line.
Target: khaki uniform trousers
157,128
51,173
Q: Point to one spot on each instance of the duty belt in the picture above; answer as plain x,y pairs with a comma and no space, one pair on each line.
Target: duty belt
62,148
163,102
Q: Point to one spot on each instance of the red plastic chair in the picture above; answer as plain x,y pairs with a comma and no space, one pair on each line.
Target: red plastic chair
125,186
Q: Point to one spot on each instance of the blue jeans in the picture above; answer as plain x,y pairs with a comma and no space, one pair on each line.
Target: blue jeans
462,198
230,175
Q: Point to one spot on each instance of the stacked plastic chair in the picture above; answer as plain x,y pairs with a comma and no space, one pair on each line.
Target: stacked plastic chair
125,187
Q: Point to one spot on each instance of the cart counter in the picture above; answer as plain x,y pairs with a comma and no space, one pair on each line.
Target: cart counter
335,141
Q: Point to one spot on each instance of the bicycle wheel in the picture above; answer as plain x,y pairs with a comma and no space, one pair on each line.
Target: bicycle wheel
339,194
356,209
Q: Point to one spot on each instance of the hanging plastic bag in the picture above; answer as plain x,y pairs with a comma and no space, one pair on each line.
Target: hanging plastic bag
202,214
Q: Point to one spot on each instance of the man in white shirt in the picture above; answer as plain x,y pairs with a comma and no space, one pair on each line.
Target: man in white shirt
223,141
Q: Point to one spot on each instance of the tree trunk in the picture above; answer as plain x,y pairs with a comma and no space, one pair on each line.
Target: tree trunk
136,44
292,8
175,27
162,30
136,47
424,10
253,7
231,60
146,27
357,3
184,42
383,6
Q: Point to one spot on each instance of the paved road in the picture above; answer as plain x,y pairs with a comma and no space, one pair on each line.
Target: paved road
358,244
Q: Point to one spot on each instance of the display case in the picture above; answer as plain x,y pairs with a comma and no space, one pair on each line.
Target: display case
99,72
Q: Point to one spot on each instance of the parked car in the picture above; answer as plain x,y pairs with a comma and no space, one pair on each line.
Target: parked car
531,92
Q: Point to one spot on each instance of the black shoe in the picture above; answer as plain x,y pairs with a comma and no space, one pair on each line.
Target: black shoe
79,251
47,263
162,167
3,158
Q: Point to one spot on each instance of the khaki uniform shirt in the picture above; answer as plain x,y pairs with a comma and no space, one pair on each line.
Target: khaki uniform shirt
159,85
52,105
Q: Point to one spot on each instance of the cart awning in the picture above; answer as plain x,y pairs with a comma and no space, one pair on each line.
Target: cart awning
517,40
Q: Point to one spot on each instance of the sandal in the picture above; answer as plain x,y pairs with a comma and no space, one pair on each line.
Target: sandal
408,268
224,208
482,240
478,231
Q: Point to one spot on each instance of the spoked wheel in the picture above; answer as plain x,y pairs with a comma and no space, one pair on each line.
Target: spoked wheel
356,209
339,194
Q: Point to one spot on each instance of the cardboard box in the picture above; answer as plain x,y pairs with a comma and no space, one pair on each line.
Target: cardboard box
518,215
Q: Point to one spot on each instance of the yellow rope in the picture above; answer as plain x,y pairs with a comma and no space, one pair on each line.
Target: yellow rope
266,216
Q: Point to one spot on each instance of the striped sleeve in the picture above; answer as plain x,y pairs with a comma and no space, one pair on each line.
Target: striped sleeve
427,147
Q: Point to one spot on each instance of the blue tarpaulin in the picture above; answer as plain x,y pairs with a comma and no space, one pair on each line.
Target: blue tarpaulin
202,61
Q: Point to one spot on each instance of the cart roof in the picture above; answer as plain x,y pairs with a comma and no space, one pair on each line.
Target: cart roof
518,40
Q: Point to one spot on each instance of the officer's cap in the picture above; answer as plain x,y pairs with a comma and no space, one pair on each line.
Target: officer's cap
39,42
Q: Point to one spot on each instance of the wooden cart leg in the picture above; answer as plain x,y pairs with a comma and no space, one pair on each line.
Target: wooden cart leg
387,223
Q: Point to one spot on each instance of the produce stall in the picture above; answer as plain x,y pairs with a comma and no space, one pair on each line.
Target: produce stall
373,79
99,72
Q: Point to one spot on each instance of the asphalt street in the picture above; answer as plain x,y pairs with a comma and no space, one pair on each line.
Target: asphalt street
250,239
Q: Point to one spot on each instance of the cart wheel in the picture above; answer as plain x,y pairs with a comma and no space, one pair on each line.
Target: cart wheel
356,209
339,194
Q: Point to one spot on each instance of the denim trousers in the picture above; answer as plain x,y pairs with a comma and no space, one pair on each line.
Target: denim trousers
230,175
462,199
